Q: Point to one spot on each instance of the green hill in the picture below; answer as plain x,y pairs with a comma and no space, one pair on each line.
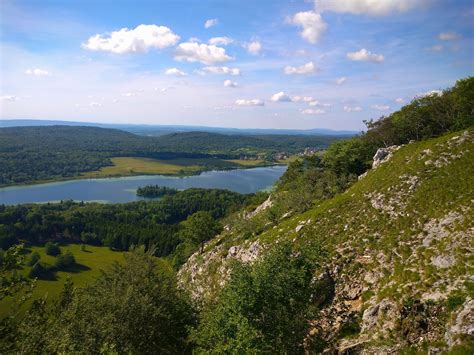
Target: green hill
399,251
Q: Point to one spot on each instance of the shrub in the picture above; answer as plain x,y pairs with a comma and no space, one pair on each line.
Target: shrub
65,261
34,258
52,249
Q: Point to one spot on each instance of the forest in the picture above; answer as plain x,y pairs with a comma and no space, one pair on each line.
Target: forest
265,307
31,154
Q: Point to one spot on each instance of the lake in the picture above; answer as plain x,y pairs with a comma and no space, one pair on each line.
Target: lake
119,190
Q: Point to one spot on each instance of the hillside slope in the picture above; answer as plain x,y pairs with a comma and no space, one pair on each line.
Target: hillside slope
399,246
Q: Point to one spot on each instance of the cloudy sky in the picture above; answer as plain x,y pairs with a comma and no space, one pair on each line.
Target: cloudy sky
246,63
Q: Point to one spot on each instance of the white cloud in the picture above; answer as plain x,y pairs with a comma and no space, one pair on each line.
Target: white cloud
138,40
341,80
365,56
431,93
317,103
381,107
9,98
308,68
303,99
251,102
352,109
280,97
253,47
230,84
312,111
399,100
95,104
194,40
221,70
211,22
368,7
220,41
175,72
312,24
37,72
436,48
129,94
203,53
448,36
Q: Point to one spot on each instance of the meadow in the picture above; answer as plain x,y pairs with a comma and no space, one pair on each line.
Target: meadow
90,261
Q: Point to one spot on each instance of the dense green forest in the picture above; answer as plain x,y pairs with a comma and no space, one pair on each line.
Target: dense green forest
154,191
118,226
39,153
265,307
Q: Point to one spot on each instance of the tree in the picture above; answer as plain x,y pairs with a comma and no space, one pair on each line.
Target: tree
264,308
200,227
134,307
65,261
34,258
52,249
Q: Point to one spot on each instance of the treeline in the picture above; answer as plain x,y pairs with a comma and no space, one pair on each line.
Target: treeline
154,191
39,153
118,226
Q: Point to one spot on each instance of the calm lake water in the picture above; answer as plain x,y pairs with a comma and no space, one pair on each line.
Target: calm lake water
116,190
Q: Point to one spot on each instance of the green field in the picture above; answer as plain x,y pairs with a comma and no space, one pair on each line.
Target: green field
126,166
90,262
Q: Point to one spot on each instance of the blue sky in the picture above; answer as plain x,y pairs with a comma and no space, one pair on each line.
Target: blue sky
259,64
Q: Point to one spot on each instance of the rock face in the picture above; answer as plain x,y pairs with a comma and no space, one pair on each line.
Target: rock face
266,204
384,154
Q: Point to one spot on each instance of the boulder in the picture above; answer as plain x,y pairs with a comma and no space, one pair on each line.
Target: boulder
384,154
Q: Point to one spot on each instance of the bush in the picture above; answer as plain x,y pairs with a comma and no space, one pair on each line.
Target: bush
65,261
41,271
264,307
34,258
52,249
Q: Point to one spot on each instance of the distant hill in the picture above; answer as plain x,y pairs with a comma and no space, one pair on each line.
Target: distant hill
158,130
33,153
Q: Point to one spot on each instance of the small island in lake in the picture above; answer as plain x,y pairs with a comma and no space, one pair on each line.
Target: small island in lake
154,191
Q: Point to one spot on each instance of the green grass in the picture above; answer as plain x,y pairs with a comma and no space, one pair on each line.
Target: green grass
90,263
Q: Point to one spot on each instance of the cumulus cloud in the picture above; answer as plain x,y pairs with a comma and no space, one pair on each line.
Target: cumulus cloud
308,68
211,22
352,109
253,47
203,53
365,56
221,70
230,84
175,72
399,100
448,36
381,107
436,48
312,24
37,72
431,93
280,97
303,99
138,40
9,98
313,111
95,104
220,41
250,102
129,94
341,80
368,7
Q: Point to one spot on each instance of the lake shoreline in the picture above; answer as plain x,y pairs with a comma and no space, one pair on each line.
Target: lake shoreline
185,174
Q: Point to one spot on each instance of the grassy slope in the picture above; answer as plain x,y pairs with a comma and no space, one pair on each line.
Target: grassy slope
91,262
361,239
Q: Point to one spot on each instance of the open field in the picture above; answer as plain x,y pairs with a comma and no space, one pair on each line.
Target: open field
91,262
126,166
249,162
